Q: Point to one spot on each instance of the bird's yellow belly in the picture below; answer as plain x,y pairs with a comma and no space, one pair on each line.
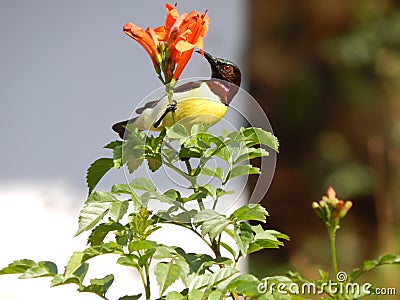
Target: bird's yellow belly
195,111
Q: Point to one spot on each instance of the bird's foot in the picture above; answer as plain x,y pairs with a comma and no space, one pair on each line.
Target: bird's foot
170,107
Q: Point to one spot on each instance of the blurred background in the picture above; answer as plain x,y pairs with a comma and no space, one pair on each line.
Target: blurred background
326,72
328,75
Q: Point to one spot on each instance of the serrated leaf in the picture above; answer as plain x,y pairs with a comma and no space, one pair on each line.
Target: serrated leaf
118,209
58,279
163,252
250,153
166,274
208,189
113,144
129,260
94,209
141,245
260,136
225,154
96,171
18,266
243,236
199,282
245,284
204,215
217,172
98,286
98,234
250,212
213,227
143,184
174,296
177,132
43,268
154,163
196,295
74,263
221,275
243,170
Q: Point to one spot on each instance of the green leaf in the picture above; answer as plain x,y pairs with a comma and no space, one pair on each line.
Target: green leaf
243,170
43,268
177,132
250,212
225,154
121,188
208,189
243,236
98,234
113,144
143,184
228,248
371,264
74,263
250,153
389,259
96,171
190,152
154,163
141,245
166,274
94,209
245,284
199,282
98,286
259,136
266,239
213,227
118,209
217,172
196,295
133,297
175,296
133,164
205,215
18,266
145,258
221,275
129,260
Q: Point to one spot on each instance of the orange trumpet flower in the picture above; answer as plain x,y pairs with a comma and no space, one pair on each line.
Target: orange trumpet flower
170,46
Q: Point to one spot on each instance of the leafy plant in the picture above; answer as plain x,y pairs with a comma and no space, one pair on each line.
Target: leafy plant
121,223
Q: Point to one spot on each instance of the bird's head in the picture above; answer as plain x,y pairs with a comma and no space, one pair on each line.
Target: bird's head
224,69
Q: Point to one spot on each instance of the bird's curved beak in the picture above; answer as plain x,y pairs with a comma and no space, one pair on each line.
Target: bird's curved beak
211,59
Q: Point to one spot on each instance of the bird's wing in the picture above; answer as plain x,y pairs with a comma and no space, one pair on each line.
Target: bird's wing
179,89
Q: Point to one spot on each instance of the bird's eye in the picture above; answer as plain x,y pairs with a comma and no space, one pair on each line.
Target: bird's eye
227,68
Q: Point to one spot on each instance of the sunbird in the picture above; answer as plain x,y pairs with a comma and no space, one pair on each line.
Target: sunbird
197,102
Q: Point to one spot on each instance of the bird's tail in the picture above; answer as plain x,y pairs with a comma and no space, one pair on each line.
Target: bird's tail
120,128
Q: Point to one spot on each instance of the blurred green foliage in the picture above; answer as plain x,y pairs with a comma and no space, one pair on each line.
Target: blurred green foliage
327,72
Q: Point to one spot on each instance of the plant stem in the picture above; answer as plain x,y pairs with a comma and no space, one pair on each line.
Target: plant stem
169,88
332,238
147,285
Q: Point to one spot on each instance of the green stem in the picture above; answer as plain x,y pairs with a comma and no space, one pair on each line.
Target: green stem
169,88
147,286
332,238
188,167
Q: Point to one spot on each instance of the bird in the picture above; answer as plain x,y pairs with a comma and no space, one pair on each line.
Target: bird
197,102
